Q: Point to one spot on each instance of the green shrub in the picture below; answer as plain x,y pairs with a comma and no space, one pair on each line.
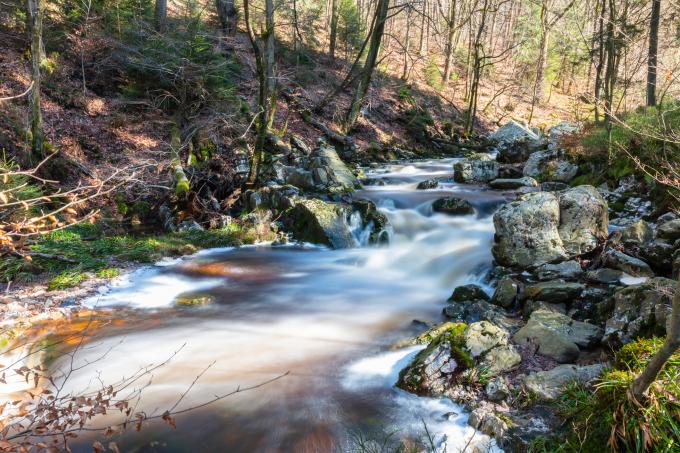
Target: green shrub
433,75
610,416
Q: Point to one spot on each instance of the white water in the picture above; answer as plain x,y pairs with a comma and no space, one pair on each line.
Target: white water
327,317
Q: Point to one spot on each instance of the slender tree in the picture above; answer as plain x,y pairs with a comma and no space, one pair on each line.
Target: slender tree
451,32
653,52
334,29
161,15
228,15
371,61
34,13
263,48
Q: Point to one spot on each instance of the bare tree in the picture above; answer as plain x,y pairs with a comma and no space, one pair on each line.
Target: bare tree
364,81
34,13
263,48
653,52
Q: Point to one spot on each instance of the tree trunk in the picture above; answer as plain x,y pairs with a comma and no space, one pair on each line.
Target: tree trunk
476,72
161,15
228,15
407,46
542,62
651,59
34,13
449,42
640,385
369,66
263,47
334,28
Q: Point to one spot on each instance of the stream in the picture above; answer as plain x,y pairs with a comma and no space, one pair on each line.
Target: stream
328,318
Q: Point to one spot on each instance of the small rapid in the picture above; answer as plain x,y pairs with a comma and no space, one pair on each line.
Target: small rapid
328,318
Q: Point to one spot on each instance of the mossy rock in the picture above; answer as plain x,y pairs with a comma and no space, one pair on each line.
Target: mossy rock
435,368
188,300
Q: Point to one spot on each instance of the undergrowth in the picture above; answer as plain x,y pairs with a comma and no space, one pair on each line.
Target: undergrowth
70,256
610,419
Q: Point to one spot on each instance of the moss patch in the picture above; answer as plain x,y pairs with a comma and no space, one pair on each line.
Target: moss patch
70,256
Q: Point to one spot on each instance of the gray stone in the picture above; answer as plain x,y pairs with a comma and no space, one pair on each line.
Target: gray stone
342,177
548,385
497,389
453,206
568,270
482,336
428,184
478,168
500,359
605,276
526,231
669,230
547,166
319,222
553,186
637,233
300,178
639,310
320,176
560,131
552,291
505,293
487,422
584,219
626,263
557,335
509,184
467,293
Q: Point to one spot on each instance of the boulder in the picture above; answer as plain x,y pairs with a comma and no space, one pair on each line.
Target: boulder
319,222
469,292
543,227
548,385
559,132
500,359
482,336
659,253
553,291
511,184
568,270
584,219
510,171
433,370
515,142
497,389
552,186
298,177
373,219
637,233
428,184
626,263
669,230
453,206
557,335
484,420
505,293
527,231
471,311
640,310
342,178
478,168
605,276
548,166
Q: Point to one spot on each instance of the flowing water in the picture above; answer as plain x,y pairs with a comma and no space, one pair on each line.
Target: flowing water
328,318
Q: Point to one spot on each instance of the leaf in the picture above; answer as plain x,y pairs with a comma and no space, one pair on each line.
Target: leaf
170,420
114,447
97,447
